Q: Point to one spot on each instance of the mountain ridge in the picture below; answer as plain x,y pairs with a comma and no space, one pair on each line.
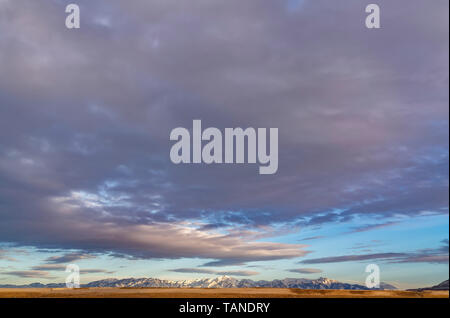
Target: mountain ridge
218,282
442,286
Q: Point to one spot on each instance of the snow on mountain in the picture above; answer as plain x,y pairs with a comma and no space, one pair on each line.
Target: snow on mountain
218,282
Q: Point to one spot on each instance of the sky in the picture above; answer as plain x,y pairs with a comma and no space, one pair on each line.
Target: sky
362,115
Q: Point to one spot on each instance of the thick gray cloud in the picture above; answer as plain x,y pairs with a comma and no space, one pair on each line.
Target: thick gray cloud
86,116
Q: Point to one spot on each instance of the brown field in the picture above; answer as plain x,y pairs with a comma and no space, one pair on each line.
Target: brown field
210,293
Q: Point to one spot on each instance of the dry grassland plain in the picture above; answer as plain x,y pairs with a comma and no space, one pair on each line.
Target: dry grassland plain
211,293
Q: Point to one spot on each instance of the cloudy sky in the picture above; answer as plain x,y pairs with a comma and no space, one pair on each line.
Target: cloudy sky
86,114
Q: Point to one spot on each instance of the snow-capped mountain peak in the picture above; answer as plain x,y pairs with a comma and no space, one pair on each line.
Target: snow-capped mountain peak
217,282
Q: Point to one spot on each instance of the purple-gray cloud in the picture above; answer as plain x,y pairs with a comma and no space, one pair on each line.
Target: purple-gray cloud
430,255
4,255
371,227
67,258
209,271
58,267
306,270
86,115
312,238
353,258
49,267
29,274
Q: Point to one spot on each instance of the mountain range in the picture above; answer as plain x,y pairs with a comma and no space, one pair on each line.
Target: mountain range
218,282
442,286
